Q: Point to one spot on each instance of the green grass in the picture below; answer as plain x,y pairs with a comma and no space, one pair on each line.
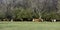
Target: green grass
29,25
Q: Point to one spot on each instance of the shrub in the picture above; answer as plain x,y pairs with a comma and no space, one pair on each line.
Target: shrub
51,16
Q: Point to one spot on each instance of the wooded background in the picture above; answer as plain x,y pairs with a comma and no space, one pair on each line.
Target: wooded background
18,9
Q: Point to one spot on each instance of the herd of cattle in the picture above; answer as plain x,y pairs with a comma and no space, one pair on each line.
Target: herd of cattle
34,20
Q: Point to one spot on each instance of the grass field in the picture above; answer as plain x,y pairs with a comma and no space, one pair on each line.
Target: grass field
29,25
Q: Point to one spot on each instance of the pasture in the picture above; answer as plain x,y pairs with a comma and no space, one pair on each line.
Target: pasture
29,25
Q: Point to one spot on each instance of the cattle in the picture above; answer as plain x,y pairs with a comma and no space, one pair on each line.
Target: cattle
53,20
37,20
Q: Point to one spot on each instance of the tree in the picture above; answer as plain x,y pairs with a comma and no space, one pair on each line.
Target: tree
20,13
51,16
2,15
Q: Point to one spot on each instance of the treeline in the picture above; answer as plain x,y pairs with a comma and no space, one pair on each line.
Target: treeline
29,9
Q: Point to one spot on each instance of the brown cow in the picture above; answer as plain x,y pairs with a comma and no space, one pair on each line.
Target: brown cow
37,20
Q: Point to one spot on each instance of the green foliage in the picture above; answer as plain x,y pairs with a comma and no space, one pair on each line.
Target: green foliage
16,11
26,13
35,15
51,15
2,15
22,13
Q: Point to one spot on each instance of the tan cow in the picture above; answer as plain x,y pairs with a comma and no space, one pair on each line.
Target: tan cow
37,20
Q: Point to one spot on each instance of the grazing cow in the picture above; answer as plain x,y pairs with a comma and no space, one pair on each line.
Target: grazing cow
53,20
37,20
4,19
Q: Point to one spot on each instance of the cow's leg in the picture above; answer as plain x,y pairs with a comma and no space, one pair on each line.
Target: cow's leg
33,20
11,20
